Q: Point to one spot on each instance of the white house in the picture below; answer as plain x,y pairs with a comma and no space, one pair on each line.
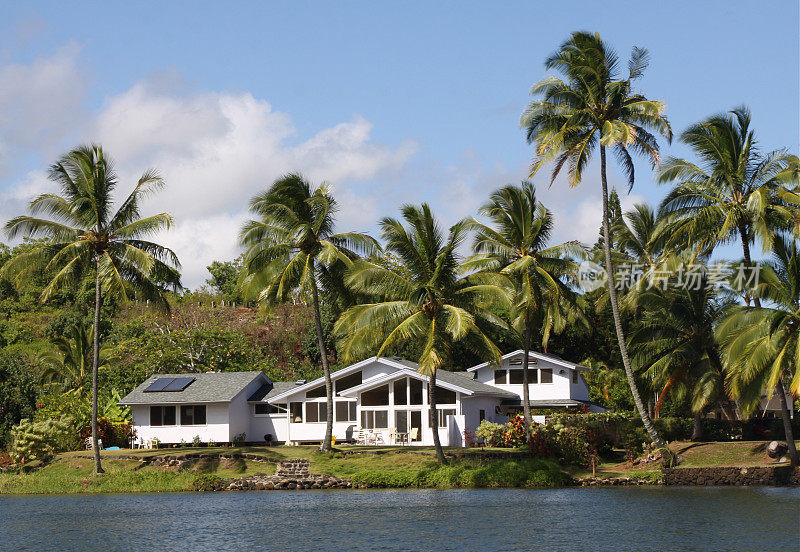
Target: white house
384,397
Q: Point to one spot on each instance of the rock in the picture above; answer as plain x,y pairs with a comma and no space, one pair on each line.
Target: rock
776,449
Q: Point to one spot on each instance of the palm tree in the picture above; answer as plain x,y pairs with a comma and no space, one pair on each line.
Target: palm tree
70,364
594,107
734,192
289,244
762,344
424,302
674,343
85,235
516,246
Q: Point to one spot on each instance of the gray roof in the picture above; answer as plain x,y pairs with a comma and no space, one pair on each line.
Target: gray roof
462,379
269,390
544,403
208,387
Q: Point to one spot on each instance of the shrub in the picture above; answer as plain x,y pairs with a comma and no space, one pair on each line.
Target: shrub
196,441
491,433
37,440
207,482
112,434
514,434
239,439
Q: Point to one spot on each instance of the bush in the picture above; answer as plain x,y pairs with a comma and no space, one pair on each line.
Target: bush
113,434
38,440
207,482
491,433
514,434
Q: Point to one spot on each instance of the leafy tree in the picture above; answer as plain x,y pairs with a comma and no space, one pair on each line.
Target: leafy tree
423,302
225,279
86,236
594,107
516,246
286,246
762,344
18,393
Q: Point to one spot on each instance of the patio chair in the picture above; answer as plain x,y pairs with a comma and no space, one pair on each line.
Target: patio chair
379,438
89,443
413,435
361,437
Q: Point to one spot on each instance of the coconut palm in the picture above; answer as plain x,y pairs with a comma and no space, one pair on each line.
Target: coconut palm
424,301
761,345
595,108
673,342
85,235
70,363
733,193
289,244
516,246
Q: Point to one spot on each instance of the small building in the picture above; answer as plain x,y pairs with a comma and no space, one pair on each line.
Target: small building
384,397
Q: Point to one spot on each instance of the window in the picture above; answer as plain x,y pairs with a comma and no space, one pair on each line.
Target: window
162,415
347,382
376,397
316,393
296,412
316,412
500,377
481,415
264,409
574,376
345,411
445,396
546,375
401,391
515,377
193,415
416,391
443,414
374,419
515,362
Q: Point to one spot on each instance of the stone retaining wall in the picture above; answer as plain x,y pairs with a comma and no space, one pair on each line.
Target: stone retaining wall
714,476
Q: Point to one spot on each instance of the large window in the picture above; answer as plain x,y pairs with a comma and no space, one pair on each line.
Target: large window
347,382
546,375
401,391
376,397
416,391
574,376
162,415
316,412
500,377
264,409
445,396
316,393
443,414
374,419
296,412
193,414
345,411
515,376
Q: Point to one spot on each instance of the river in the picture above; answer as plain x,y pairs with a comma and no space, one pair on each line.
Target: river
583,519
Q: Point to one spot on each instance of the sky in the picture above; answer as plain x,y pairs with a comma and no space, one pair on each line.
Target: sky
390,103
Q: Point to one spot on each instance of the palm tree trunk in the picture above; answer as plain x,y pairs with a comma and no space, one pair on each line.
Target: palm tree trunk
779,389
95,367
697,430
612,293
323,351
433,418
526,400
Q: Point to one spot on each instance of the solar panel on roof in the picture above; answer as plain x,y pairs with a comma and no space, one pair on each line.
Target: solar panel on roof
159,385
178,384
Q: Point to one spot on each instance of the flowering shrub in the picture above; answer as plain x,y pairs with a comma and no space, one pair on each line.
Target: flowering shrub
514,434
113,434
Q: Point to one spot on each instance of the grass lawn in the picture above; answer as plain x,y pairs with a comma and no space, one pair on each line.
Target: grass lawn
71,472
734,453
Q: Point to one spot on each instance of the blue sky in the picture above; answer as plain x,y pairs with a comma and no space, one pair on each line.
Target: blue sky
390,102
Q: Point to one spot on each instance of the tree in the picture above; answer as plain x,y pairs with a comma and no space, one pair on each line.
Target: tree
225,278
516,246
85,236
674,343
70,364
424,301
285,248
593,108
734,192
762,344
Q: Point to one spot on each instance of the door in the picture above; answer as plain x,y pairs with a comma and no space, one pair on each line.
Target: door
416,423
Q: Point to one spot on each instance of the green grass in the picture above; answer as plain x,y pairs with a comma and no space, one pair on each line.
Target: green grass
735,453
71,472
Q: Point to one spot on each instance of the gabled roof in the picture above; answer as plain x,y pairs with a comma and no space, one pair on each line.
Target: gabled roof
270,390
208,387
453,381
534,354
394,362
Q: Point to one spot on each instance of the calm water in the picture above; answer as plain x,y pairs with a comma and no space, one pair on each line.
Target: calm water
618,519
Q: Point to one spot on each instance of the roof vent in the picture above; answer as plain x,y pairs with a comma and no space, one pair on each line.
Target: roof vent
395,357
301,382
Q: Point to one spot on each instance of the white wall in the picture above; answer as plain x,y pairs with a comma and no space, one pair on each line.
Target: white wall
240,413
274,424
216,428
561,388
